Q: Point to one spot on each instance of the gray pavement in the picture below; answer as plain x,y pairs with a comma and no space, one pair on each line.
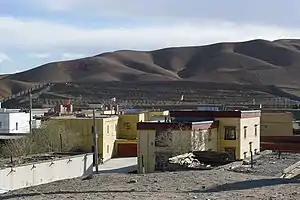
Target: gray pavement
119,165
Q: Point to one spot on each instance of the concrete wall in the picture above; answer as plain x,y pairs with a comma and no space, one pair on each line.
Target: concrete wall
46,172
276,124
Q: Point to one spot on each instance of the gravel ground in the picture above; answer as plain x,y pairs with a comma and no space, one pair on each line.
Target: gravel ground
207,185
270,164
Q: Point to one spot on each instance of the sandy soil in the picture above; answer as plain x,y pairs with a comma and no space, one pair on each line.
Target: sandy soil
214,184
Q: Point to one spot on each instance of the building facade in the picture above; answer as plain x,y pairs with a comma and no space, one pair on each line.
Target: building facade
14,124
237,132
276,123
127,125
106,127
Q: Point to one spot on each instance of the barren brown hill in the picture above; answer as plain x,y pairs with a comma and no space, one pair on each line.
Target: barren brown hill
257,62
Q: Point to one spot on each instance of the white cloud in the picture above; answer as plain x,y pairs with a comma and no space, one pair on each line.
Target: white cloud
39,55
4,58
68,56
34,35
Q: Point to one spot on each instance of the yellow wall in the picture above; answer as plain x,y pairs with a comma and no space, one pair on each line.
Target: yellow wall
185,141
222,143
250,136
150,114
182,142
110,135
276,124
82,128
241,144
145,151
127,125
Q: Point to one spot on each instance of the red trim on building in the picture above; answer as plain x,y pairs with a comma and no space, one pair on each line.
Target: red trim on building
280,139
215,114
176,126
290,147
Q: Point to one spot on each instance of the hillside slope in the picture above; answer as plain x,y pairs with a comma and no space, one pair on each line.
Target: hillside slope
251,62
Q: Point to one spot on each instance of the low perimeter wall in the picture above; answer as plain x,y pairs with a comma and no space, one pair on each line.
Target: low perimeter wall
45,172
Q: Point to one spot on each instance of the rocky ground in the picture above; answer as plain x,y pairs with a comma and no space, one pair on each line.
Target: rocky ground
213,184
270,164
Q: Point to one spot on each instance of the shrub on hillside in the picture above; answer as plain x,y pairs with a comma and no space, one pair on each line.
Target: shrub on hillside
51,137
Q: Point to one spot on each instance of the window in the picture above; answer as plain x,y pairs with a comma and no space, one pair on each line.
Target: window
245,155
107,148
0,124
107,128
17,126
255,129
245,131
230,133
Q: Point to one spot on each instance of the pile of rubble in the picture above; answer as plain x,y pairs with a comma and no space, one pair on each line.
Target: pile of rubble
188,161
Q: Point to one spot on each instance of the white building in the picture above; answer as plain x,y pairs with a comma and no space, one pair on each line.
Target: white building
13,124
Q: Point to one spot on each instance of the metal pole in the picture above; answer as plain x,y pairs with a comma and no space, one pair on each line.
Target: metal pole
61,145
251,154
30,113
95,141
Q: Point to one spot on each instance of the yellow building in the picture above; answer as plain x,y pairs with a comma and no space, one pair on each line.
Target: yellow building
127,125
106,128
155,115
276,123
236,132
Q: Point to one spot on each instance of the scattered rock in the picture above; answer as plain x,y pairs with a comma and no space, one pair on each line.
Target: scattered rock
188,160
133,181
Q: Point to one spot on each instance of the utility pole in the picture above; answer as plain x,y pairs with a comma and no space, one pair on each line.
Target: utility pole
95,136
30,113
251,154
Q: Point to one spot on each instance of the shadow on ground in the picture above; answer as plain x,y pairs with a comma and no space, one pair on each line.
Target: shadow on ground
242,185
119,170
249,184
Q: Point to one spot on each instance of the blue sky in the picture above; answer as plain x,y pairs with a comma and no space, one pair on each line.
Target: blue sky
34,32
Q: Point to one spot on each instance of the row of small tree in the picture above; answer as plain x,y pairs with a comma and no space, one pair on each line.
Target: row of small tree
51,137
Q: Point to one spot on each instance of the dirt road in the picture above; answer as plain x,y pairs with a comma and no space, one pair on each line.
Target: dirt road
214,184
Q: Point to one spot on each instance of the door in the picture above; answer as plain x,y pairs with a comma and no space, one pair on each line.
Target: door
232,152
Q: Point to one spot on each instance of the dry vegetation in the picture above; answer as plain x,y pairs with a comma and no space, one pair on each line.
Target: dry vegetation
50,138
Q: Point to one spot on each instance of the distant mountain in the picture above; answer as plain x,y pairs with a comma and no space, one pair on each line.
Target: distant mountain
258,62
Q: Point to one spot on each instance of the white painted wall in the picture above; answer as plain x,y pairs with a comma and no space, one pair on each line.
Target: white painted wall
14,122
20,118
250,136
46,172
